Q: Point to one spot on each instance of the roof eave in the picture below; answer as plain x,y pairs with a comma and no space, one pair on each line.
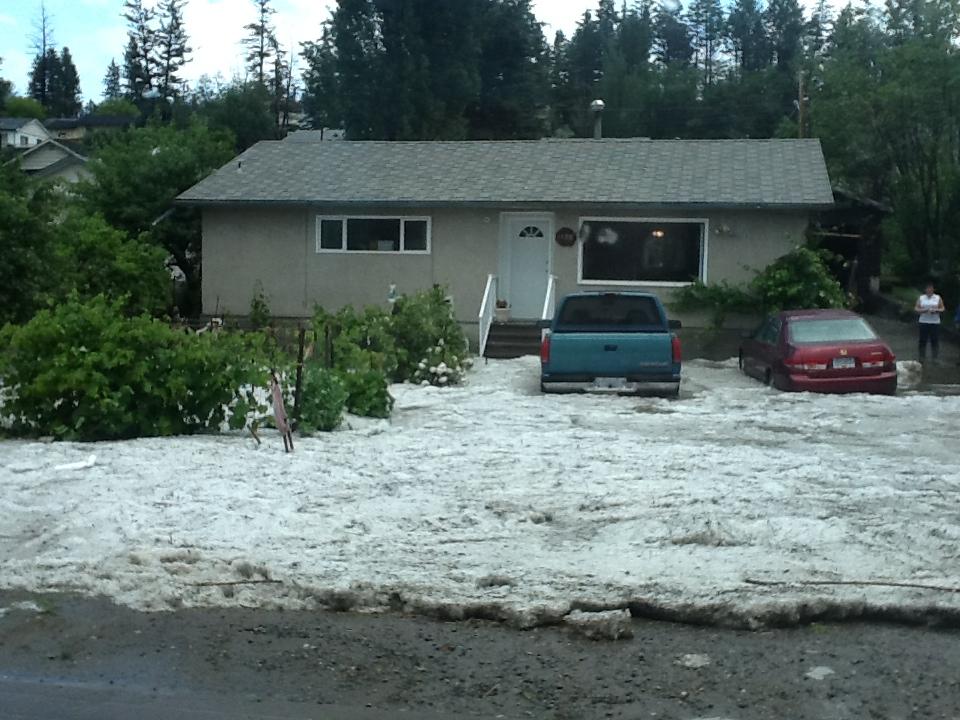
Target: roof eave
503,204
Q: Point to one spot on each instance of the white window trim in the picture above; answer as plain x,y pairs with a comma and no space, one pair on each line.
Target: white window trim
704,248
343,235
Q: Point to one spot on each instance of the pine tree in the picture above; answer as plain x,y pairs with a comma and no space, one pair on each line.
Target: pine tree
514,75
279,85
139,59
172,50
64,92
673,43
748,36
320,79
635,41
112,89
259,41
706,23
44,63
785,27
5,86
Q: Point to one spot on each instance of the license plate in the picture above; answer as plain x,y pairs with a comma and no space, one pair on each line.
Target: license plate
844,363
610,383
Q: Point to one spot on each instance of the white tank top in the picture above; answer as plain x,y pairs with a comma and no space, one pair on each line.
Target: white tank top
927,304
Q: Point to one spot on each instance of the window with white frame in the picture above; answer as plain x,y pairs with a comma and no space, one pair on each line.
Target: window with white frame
616,250
373,234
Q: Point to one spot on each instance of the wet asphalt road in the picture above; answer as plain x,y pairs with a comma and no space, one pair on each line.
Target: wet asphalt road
83,658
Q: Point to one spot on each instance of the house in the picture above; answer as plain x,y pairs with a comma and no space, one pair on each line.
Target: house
52,161
21,132
76,129
520,222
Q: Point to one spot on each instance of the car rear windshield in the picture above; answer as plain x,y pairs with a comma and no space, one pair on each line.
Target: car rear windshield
830,330
610,313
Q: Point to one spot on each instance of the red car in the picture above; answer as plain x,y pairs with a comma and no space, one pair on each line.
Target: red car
832,351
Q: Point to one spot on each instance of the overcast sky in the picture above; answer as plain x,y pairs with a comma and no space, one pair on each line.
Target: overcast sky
95,32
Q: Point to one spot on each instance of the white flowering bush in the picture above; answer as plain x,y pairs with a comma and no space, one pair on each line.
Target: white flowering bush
441,366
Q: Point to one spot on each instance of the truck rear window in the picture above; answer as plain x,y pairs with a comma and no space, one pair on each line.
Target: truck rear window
610,313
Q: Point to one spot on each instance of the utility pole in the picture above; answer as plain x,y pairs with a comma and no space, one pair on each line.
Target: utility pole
800,104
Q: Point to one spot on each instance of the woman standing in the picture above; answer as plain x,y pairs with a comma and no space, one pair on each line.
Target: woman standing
928,308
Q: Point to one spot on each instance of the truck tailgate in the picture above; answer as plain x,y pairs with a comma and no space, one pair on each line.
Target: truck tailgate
610,354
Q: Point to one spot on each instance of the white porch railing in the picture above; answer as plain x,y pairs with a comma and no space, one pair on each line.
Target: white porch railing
488,308
550,299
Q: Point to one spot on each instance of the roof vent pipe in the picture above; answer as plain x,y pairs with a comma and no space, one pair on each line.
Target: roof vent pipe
596,107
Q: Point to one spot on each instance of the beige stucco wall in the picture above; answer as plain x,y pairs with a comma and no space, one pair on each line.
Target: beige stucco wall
277,246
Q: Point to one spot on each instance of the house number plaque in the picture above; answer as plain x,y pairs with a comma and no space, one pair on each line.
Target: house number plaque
566,237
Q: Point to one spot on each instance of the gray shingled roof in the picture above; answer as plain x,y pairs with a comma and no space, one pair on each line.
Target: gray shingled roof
13,123
770,173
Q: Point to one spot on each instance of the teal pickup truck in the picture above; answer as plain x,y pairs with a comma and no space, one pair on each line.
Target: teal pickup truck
611,342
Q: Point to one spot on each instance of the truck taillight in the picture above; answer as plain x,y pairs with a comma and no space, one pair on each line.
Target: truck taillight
675,347
545,348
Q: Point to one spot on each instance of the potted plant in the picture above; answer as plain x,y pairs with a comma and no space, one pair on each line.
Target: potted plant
502,311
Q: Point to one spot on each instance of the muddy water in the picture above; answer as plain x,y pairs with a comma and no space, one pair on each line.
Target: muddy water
413,666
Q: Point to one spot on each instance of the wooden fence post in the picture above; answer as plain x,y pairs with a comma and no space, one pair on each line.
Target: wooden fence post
298,391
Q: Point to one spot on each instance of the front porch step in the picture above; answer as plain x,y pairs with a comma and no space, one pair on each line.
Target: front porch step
512,340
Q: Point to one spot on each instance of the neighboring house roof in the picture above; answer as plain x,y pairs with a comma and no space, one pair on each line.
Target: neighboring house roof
47,158
325,135
12,123
88,121
609,172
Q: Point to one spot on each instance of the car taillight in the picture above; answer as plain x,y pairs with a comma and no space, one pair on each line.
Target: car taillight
675,348
806,366
545,348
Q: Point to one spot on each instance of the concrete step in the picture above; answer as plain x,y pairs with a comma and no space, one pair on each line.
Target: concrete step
512,340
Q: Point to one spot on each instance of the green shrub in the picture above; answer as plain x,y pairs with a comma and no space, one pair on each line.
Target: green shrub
85,371
259,308
427,333
96,259
718,299
322,400
368,393
420,341
800,279
362,339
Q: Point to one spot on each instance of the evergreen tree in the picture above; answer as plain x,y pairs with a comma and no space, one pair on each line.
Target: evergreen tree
818,28
64,92
280,86
785,28
706,25
43,77
45,57
260,41
562,96
112,89
320,82
353,29
172,50
748,36
514,74
635,40
5,87
585,55
673,42
139,58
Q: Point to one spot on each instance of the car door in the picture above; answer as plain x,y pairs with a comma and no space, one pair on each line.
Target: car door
752,351
769,349
760,350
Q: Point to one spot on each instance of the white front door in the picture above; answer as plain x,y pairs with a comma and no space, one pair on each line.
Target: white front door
528,263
